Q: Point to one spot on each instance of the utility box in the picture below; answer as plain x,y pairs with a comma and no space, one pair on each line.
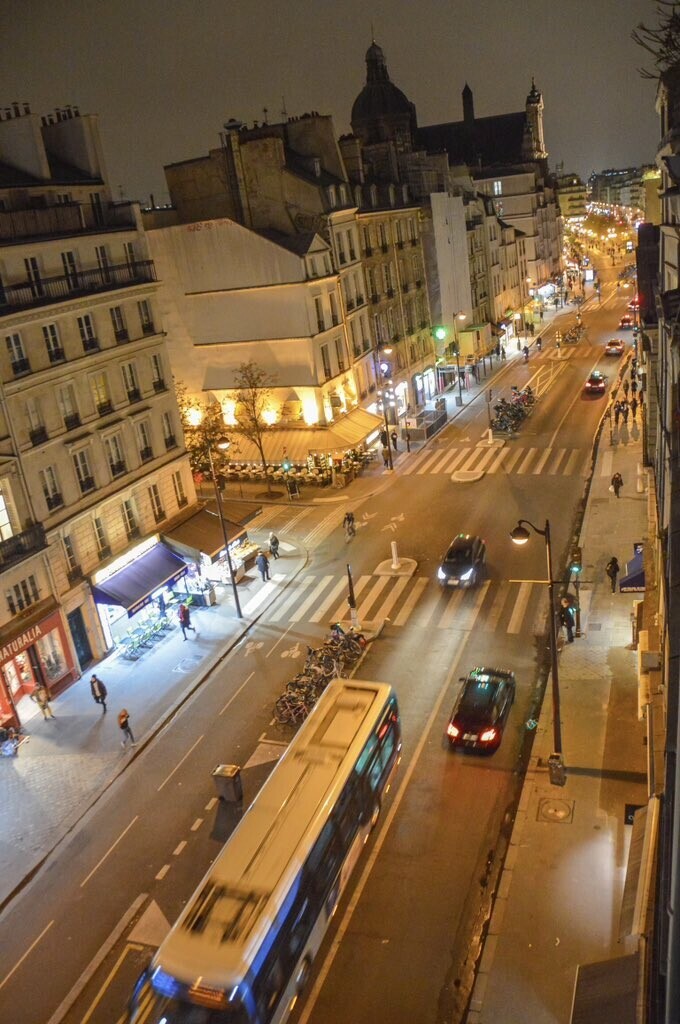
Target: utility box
228,783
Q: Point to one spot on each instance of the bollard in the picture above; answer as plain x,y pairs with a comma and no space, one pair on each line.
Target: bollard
489,439
640,478
395,557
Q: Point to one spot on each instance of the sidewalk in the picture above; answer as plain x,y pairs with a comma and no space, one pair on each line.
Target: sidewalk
560,891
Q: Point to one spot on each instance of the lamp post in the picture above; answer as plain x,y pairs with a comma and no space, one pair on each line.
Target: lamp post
520,535
218,499
379,373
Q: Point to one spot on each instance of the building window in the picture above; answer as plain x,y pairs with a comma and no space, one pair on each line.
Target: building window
498,188
114,455
69,551
131,382
178,484
81,464
325,359
17,355
87,333
103,262
33,276
340,354
382,234
156,504
320,319
120,330
334,309
97,209
168,431
130,519
144,437
130,254
22,595
50,488
157,373
55,352
66,400
99,386
103,547
145,317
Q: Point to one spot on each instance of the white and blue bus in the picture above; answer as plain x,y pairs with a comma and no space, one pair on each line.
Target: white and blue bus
242,950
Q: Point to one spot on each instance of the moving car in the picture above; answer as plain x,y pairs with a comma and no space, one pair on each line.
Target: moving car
596,383
615,347
626,323
462,564
480,712
634,304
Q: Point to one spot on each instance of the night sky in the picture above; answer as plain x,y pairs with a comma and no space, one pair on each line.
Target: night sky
164,75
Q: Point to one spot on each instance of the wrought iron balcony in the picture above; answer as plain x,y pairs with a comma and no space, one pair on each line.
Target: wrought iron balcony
148,327
134,395
20,367
118,468
91,344
121,336
159,515
21,545
38,435
104,408
54,501
170,442
72,421
56,355
146,453
44,291
87,484
159,385
75,574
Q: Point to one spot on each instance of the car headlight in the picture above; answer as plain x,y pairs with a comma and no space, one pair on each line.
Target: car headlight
467,575
441,575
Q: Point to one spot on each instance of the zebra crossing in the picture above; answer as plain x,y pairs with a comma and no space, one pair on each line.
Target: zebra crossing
493,606
521,461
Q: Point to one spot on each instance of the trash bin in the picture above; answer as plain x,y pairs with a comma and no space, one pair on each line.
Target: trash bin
228,782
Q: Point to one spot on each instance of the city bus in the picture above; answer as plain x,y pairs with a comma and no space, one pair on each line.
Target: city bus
241,951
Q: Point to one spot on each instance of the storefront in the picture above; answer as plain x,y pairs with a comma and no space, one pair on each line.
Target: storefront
139,586
34,652
200,541
424,388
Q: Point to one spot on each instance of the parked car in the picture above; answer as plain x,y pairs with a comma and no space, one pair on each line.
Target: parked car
596,383
463,563
615,347
479,715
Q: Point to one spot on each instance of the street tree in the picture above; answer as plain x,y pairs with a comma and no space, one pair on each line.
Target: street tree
662,42
253,398
204,430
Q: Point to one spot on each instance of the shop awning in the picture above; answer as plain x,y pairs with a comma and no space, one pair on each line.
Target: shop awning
634,580
133,586
202,534
344,433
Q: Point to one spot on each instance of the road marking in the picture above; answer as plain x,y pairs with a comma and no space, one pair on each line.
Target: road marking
162,873
197,824
607,463
467,465
281,610
457,459
330,599
380,840
110,850
178,849
21,960
513,459
542,461
527,459
392,598
374,592
107,982
429,461
497,607
342,608
211,803
235,695
553,469
573,459
486,458
280,640
445,458
452,607
470,613
315,594
179,763
515,624
504,452
266,591
411,601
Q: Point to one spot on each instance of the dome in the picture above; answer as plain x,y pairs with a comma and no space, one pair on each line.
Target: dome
379,98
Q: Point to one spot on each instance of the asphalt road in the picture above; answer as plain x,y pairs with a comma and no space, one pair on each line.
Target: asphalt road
408,932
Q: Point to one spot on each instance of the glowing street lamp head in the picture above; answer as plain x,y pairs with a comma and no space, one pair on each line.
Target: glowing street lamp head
520,535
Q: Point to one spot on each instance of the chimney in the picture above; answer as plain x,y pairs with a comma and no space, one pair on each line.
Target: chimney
17,111
468,105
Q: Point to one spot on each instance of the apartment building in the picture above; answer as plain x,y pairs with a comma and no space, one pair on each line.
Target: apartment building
92,461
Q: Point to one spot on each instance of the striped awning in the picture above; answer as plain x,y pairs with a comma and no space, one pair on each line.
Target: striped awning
297,443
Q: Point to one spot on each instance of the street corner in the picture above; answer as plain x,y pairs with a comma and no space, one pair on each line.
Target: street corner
466,476
396,567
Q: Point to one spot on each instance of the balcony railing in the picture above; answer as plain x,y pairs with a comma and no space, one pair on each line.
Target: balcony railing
61,219
159,515
56,355
122,336
87,484
390,293
81,282
104,552
384,247
375,298
170,442
148,327
38,435
21,545
405,286
54,501
159,385
360,300
414,242
334,319
146,453
117,468
74,574
342,257
419,283
134,395
350,304
72,421
352,255
321,324
368,251
104,408
400,244
21,366
132,532
91,344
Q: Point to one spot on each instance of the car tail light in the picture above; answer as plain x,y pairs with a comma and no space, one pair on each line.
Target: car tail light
488,736
452,731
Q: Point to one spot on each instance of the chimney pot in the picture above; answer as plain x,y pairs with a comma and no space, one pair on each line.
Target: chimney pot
27,108
15,108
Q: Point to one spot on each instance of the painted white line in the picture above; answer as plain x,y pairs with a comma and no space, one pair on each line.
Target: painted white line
411,601
329,600
573,459
492,619
178,849
179,763
526,460
197,824
447,619
392,598
341,610
556,464
436,467
429,462
486,459
379,842
469,615
503,454
455,462
29,950
162,873
260,597
607,463
542,461
281,610
311,600
235,695
513,459
468,464
280,640
110,850
520,608
370,599
211,803
107,981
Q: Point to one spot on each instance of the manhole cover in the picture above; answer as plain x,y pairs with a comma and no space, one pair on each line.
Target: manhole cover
560,812
594,627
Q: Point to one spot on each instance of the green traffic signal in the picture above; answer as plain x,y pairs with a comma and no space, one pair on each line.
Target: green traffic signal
576,561
440,333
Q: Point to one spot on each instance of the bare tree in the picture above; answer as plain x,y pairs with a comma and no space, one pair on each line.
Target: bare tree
663,43
253,397
204,430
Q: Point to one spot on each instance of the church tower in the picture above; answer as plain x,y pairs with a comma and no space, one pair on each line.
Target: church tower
381,111
534,146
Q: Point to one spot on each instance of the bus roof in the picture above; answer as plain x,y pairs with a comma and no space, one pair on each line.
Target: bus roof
223,925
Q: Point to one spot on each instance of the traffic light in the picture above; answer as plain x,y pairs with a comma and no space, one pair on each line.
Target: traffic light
440,333
576,562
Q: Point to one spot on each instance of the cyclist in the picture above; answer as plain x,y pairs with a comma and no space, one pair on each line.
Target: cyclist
539,344
525,352
349,525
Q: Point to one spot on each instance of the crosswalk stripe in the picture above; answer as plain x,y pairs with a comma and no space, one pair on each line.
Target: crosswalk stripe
280,610
411,601
503,454
542,461
520,608
467,465
571,464
497,606
374,592
456,461
513,459
263,594
430,460
471,612
436,466
527,459
341,609
553,469
330,599
485,459
315,594
607,463
392,598
452,607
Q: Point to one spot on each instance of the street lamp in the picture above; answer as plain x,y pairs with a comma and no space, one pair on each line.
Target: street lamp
381,370
520,535
218,499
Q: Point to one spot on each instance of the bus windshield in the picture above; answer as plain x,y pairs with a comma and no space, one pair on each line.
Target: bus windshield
156,1009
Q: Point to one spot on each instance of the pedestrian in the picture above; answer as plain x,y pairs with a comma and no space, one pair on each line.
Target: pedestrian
386,456
274,545
531,328
349,525
567,618
626,387
612,570
633,386
540,313
634,407
617,413
616,484
503,354
394,438
407,438
625,409
124,723
184,616
262,562
41,697
99,691
384,441
641,396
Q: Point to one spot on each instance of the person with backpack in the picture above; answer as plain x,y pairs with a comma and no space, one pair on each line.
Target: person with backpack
184,616
124,725
617,480
612,569
274,545
567,618
99,691
42,698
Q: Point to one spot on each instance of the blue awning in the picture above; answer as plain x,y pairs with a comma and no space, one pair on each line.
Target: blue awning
134,586
634,580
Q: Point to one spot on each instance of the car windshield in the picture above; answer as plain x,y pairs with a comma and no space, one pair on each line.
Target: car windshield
459,556
162,1010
